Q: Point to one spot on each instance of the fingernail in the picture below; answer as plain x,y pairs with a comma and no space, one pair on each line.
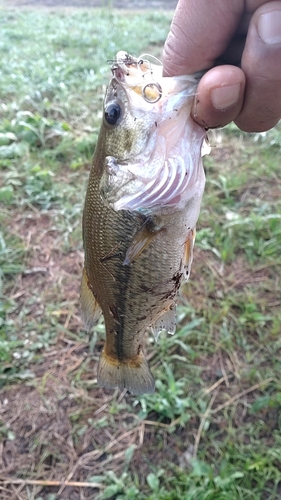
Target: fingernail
224,97
269,27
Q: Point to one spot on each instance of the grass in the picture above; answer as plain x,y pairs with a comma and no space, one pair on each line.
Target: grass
212,429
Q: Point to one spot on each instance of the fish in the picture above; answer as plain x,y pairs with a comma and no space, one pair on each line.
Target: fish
140,213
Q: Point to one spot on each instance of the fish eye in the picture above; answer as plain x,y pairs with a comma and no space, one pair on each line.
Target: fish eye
113,113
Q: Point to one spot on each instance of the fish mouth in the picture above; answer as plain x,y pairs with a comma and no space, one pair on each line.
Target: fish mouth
122,65
140,74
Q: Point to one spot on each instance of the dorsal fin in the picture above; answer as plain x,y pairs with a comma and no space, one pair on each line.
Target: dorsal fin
90,309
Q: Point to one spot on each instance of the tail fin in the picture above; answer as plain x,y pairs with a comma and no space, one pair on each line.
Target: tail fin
134,376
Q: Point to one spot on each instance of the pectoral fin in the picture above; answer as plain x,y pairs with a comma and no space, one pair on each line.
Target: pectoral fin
143,237
188,254
167,321
90,309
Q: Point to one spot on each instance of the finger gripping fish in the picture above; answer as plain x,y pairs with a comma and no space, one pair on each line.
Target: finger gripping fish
141,208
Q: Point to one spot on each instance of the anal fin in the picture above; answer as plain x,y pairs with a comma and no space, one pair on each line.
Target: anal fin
143,237
90,309
167,321
133,375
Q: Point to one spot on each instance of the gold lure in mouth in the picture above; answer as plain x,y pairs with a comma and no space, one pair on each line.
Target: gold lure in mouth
152,92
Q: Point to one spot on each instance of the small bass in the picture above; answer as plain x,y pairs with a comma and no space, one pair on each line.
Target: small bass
142,204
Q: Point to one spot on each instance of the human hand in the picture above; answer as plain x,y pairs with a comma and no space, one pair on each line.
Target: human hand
240,40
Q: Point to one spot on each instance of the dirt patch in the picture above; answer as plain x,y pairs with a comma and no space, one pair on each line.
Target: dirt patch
51,276
40,436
